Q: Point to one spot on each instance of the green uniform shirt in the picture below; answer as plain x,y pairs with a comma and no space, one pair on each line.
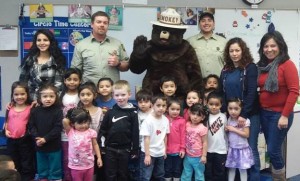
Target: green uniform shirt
209,53
90,56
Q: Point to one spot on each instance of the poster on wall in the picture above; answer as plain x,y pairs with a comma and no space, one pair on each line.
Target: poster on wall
115,17
188,15
67,34
41,12
79,13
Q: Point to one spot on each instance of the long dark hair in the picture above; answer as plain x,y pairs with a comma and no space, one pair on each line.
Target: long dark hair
79,116
23,85
54,50
283,48
67,74
246,55
90,86
201,110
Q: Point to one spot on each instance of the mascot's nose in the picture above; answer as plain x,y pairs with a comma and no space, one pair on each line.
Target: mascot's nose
164,35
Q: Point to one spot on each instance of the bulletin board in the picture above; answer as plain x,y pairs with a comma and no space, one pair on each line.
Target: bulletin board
67,34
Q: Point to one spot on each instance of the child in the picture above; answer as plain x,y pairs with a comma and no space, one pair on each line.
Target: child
192,97
239,152
168,86
121,132
87,95
70,99
211,81
104,99
6,162
176,141
19,143
45,125
154,129
143,99
217,141
83,143
196,143
69,95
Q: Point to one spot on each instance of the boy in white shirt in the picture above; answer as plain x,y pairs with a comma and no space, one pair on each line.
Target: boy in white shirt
143,98
153,147
217,140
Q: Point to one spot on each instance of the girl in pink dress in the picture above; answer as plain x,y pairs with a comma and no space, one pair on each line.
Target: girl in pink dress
82,144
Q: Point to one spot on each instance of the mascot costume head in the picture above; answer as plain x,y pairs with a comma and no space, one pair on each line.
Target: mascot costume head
166,54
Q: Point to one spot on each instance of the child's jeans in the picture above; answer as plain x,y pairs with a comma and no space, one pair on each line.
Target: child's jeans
190,165
134,168
173,166
155,169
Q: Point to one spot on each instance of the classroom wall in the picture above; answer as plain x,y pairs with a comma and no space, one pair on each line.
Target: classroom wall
135,15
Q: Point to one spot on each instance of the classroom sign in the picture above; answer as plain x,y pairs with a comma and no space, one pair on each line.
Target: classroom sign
67,34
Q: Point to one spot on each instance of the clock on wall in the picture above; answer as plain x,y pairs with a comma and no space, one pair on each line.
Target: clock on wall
253,2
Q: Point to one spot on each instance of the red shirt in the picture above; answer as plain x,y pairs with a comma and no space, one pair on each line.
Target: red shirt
17,122
285,98
176,137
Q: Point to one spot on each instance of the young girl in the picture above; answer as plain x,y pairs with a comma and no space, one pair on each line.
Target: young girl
104,99
192,97
70,99
176,141
83,142
196,143
87,95
45,126
19,142
239,152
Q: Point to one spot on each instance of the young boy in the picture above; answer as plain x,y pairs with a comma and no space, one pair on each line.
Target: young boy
143,98
168,86
105,100
120,129
217,141
154,129
211,81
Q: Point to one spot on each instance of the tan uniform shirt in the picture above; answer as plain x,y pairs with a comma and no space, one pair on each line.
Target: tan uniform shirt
90,56
209,53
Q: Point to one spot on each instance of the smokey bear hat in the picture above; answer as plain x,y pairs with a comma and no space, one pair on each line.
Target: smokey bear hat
170,18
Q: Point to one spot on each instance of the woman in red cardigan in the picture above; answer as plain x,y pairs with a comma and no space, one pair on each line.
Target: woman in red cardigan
279,88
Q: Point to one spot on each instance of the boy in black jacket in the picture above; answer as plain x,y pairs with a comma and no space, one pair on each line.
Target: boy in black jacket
120,129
